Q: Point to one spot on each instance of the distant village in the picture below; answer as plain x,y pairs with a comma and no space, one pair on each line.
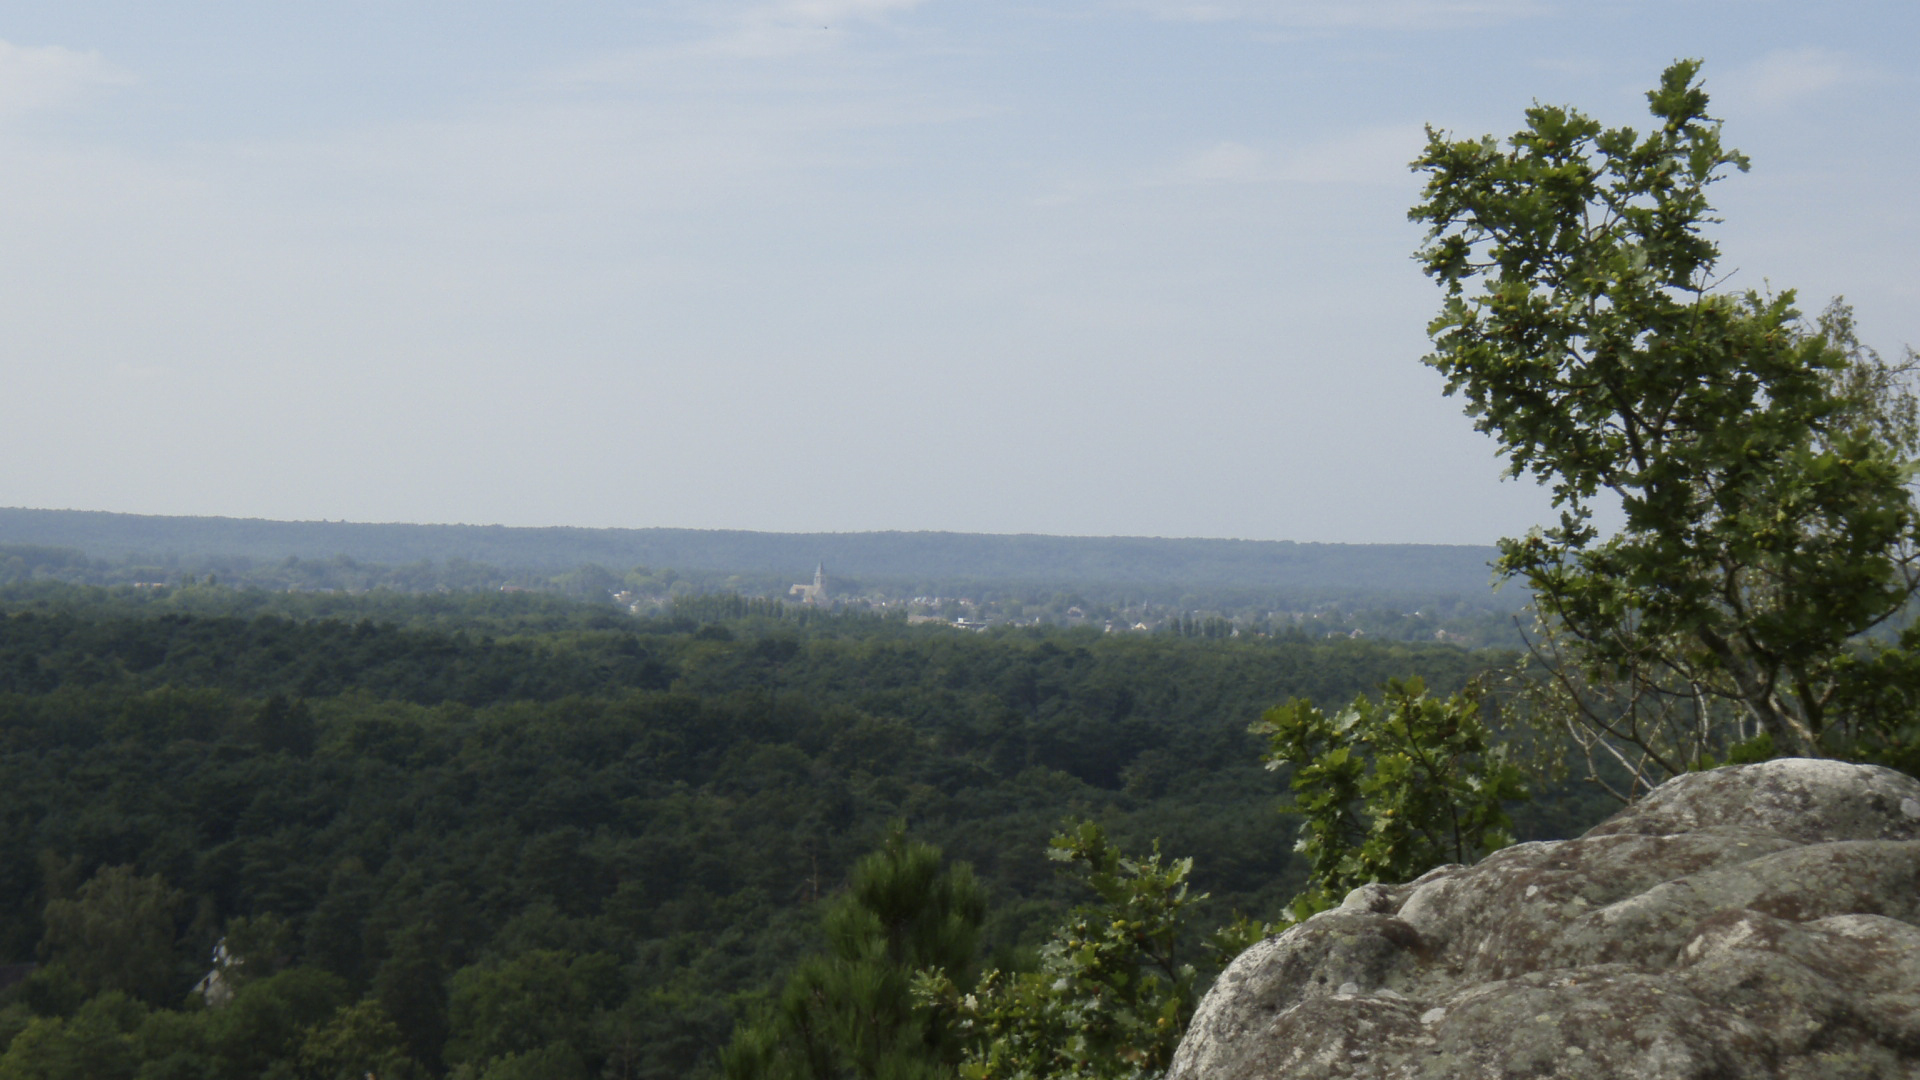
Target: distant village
971,614
959,612
709,596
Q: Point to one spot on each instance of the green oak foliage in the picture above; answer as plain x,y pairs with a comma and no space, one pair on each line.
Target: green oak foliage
296,1025
1761,459
538,1000
357,1041
1113,989
118,934
270,1020
1391,789
96,1043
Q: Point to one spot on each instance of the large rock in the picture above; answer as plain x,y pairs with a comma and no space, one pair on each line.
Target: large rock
1758,921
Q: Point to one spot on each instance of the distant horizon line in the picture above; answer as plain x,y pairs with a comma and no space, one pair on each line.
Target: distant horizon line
759,532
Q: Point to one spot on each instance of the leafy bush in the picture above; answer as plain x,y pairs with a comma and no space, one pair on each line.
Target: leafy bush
1391,789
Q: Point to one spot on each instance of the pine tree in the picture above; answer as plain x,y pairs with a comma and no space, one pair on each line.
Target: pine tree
849,1012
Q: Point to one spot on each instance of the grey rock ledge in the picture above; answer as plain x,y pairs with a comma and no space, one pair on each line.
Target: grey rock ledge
1758,921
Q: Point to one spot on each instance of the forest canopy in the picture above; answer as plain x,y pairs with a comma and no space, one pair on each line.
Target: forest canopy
408,822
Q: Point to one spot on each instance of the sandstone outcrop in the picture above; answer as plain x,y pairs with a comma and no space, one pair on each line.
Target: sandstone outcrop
1757,921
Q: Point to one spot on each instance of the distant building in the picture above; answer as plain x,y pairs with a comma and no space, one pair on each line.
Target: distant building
816,593
216,989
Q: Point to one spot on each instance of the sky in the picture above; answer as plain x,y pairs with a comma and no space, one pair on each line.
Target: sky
1089,267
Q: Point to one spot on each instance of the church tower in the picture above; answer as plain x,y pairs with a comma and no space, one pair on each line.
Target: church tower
816,593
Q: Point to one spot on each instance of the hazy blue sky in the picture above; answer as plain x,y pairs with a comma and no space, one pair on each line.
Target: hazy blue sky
1065,266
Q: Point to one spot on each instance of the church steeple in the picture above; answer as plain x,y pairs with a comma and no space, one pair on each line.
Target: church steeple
816,593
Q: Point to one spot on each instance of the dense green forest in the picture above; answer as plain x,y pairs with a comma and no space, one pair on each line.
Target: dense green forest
452,833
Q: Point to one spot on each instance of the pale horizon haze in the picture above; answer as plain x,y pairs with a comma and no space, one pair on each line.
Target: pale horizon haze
1085,267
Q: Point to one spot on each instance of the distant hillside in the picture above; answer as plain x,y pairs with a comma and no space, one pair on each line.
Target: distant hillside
1148,563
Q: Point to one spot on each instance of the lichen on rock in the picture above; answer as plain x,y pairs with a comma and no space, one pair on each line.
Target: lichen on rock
1756,921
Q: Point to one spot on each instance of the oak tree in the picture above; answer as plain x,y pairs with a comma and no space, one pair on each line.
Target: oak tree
1760,459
